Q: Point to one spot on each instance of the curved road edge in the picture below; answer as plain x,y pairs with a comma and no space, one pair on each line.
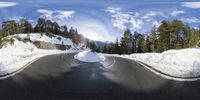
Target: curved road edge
157,72
160,73
7,75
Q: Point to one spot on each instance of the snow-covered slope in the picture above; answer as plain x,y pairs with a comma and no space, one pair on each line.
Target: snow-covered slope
88,56
15,56
179,63
55,39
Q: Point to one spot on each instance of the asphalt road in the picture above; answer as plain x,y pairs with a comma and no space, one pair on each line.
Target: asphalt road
60,77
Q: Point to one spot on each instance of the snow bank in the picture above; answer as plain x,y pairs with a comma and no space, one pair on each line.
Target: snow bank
179,63
88,56
15,56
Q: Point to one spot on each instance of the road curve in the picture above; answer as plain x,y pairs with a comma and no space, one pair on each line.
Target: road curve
60,77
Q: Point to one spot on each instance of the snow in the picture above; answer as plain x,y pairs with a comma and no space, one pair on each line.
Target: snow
55,39
88,56
178,63
16,56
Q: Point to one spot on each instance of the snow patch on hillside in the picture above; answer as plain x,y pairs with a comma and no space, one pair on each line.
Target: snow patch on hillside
179,63
55,39
88,56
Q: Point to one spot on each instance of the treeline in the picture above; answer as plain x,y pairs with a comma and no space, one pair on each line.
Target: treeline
169,35
43,26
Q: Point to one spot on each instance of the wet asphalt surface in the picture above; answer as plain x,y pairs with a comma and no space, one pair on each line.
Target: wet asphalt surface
60,77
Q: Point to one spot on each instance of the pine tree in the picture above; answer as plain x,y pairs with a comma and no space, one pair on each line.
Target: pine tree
153,39
40,26
163,37
126,44
10,27
25,26
195,38
116,47
186,35
140,45
56,28
1,39
147,47
105,49
93,46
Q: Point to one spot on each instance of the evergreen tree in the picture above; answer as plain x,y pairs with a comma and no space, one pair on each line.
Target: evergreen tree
25,26
186,35
10,27
140,45
41,26
64,31
105,49
163,36
93,46
147,47
153,39
1,39
49,27
195,38
116,47
56,28
125,42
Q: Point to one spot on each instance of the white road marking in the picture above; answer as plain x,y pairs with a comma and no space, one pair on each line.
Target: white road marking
112,63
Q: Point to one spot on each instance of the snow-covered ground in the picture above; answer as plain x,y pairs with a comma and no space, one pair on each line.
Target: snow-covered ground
88,56
55,39
16,56
178,63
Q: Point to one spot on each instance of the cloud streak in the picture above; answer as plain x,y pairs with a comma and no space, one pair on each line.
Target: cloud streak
191,4
149,15
191,20
56,15
7,4
177,12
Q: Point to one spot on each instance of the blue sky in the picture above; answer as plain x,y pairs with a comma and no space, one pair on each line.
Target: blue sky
103,20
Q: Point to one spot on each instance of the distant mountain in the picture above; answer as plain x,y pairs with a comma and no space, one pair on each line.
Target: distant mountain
100,43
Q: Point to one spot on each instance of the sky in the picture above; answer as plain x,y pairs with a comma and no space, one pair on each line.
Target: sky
103,20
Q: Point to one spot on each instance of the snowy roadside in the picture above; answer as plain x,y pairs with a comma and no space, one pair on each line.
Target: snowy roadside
16,56
11,62
184,63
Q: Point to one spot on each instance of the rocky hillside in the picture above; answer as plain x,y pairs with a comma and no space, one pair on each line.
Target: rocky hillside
43,41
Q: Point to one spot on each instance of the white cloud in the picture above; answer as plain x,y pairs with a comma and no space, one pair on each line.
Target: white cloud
65,14
7,4
137,23
113,9
134,20
56,15
191,20
16,18
191,4
122,19
150,14
176,12
45,12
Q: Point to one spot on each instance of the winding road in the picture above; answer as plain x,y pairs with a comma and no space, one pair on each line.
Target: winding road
61,77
